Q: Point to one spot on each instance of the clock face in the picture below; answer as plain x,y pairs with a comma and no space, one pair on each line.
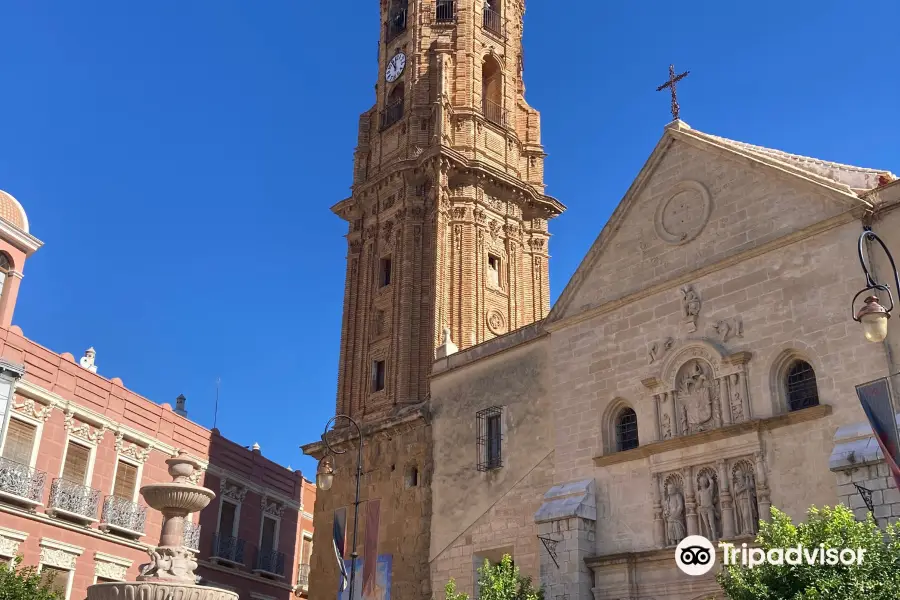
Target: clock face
395,67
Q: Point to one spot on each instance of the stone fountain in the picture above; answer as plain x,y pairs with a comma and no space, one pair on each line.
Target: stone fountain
170,573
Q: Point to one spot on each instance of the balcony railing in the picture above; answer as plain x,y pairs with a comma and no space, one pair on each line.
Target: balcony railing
270,562
493,23
21,484
122,516
391,114
192,536
445,11
303,577
493,112
74,501
396,24
228,549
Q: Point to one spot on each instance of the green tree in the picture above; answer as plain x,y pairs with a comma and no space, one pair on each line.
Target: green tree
498,582
877,578
24,583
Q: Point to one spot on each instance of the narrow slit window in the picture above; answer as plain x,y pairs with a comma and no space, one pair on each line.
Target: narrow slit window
384,272
378,376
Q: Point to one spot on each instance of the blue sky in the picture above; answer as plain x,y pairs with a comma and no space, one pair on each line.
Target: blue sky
179,158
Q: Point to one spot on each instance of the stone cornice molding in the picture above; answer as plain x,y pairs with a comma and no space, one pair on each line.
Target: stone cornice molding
9,368
51,400
690,277
22,240
705,437
60,524
346,436
248,485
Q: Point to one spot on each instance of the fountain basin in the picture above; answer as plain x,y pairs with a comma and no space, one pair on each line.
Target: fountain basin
177,497
157,591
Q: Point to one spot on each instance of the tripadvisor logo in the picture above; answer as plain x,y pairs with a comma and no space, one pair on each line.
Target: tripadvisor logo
695,555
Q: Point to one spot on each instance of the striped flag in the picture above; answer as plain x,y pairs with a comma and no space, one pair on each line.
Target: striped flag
339,538
875,398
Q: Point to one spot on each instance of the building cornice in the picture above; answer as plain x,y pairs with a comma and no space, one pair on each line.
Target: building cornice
255,578
60,524
254,487
339,438
22,240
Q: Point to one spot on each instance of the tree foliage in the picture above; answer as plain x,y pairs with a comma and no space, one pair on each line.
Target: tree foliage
498,582
877,578
24,583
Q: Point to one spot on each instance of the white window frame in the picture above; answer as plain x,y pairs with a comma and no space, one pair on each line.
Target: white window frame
237,516
262,522
137,482
92,457
74,551
15,539
39,430
103,558
306,537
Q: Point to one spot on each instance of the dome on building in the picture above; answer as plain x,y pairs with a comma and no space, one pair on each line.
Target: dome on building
12,212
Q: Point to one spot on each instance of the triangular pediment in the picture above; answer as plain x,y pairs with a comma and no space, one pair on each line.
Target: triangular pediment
700,199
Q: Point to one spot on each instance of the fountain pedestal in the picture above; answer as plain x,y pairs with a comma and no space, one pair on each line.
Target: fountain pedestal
170,573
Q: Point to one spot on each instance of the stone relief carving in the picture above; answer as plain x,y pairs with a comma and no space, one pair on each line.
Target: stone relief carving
33,409
84,431
708,504
272,508
197,476
232,491
746,502
496,322
657,350
683,213
60,559
729,328
9,547
131,450
698,397
673,511
108,570
690,306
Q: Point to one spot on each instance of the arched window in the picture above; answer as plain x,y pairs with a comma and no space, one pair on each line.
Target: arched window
800,381
5,268
492,91
393,111
626,430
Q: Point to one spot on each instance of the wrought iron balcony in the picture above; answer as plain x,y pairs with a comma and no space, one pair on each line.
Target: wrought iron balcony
269,562
123,517
396,24
21,484
493,22
73,501
228,549
391,114
445,11
303,577
493,112
192,536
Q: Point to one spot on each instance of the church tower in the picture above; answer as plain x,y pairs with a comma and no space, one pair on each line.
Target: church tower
448,216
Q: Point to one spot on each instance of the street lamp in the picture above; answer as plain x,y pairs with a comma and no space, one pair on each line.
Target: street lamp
325,479
873,316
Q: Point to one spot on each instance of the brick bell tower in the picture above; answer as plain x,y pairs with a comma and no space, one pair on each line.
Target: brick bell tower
448,215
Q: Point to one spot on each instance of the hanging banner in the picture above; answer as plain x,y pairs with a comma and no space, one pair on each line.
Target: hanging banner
339,538
875,398
370,548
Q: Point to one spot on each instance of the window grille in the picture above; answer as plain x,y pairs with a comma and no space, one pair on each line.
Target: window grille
490,438
626,430
802,391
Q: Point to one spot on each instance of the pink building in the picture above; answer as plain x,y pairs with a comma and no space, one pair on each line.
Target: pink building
75,448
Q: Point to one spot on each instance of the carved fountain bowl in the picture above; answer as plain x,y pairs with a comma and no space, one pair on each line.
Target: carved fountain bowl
177,497
157,591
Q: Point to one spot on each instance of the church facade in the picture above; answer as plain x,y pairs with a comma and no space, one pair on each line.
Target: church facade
699,368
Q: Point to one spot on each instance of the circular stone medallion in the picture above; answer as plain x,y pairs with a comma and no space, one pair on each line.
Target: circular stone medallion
683,212
496,322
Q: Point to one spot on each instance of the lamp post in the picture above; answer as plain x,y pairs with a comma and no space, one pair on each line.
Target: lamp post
325,479
873,316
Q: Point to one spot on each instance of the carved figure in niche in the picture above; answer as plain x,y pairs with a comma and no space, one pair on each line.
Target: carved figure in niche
673,511
658,349
666,426
745,500
690,302
737,402
709,519
697,394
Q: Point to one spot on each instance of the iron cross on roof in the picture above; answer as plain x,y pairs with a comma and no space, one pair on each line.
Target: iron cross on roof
673,79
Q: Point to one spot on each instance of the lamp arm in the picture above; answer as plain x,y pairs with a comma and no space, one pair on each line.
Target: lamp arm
871,283
330,422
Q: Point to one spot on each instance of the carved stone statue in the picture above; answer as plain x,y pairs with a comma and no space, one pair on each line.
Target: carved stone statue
690,305
709,524
729,328
666,426
87,361
745,502
695,393
658,349
673,511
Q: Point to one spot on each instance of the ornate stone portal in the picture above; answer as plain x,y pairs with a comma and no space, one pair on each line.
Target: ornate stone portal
170,572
